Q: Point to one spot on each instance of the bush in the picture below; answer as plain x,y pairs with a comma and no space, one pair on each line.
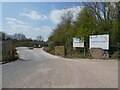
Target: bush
50,50
116,55
78,53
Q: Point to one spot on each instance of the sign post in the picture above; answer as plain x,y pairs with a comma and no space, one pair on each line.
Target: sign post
84,51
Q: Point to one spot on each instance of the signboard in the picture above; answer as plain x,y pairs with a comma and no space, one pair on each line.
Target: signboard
99,41
78,42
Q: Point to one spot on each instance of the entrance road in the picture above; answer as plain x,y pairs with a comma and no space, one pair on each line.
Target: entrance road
38,69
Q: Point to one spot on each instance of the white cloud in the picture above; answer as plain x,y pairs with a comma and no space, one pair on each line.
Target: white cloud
55,15
14,21
17,26
34,15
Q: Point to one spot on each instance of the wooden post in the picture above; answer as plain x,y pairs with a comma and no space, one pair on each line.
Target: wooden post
84,51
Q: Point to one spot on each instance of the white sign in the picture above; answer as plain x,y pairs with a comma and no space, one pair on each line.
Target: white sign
78,42
99,41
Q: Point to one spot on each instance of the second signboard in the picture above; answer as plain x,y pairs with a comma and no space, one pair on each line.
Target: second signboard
78,42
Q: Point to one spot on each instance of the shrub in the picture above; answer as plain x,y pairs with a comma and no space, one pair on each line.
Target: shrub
50,50
116,55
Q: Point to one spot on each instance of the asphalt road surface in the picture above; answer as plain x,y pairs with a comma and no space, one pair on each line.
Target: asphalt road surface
38,69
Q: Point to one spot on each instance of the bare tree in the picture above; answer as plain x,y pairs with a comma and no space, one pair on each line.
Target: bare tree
19,36
40,38
104,13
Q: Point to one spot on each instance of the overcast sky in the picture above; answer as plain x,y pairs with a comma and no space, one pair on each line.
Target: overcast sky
35,18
